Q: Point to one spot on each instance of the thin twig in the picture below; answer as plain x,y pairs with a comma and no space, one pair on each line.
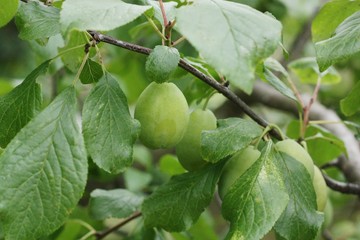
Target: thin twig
334,163
163,13
101,235
178,41
223,89
346,188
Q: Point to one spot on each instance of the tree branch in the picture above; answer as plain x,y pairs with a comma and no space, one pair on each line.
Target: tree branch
346,188
350,166
101,235
223,89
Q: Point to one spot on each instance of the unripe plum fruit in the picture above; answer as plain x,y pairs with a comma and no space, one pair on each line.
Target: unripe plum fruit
320,189
296,151
162,111
188,149
235,167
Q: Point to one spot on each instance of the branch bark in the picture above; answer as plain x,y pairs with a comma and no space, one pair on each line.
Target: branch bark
350,166
223,89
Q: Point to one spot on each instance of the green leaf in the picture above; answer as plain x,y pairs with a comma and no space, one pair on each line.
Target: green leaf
231,37
169,164
37,21
75,48
318,138
232,135
136,180
43,172
256,199
307,70
98,15
267,74
177,205
330,16
7,11
170,8
109,130
116,203
19,106
342,45
91,72
161,63
351,104
300,220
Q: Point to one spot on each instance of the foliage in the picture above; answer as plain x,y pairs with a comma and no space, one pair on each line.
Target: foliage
51,169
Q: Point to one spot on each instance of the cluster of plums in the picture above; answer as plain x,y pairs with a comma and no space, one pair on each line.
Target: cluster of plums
162,111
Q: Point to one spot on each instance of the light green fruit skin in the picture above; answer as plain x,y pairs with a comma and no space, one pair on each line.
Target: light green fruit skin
328,214
7,11
235,167
320,189
188,149
294,150
162,111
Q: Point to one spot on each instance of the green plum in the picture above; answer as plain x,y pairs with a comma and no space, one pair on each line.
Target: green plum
235,167
320,189
162,111
296,151
188,149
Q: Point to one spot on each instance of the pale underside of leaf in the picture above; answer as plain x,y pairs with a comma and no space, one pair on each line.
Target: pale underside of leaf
342,45
98,15
116,203
36,21
231,37
43,172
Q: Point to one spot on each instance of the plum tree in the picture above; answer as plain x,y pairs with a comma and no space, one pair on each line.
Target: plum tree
188,149
162,111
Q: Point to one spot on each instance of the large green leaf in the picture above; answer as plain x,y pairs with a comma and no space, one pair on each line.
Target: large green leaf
256,199
300,220
37,21
177,205
351,104
232,37
7,11
232,135
161,63
116,203
20,105
43,172
108,128
330,16
342,45
98,15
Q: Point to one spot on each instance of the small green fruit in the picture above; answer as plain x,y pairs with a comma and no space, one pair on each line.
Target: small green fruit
188,149
294,150
162,111
320,189
328,214
235,167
